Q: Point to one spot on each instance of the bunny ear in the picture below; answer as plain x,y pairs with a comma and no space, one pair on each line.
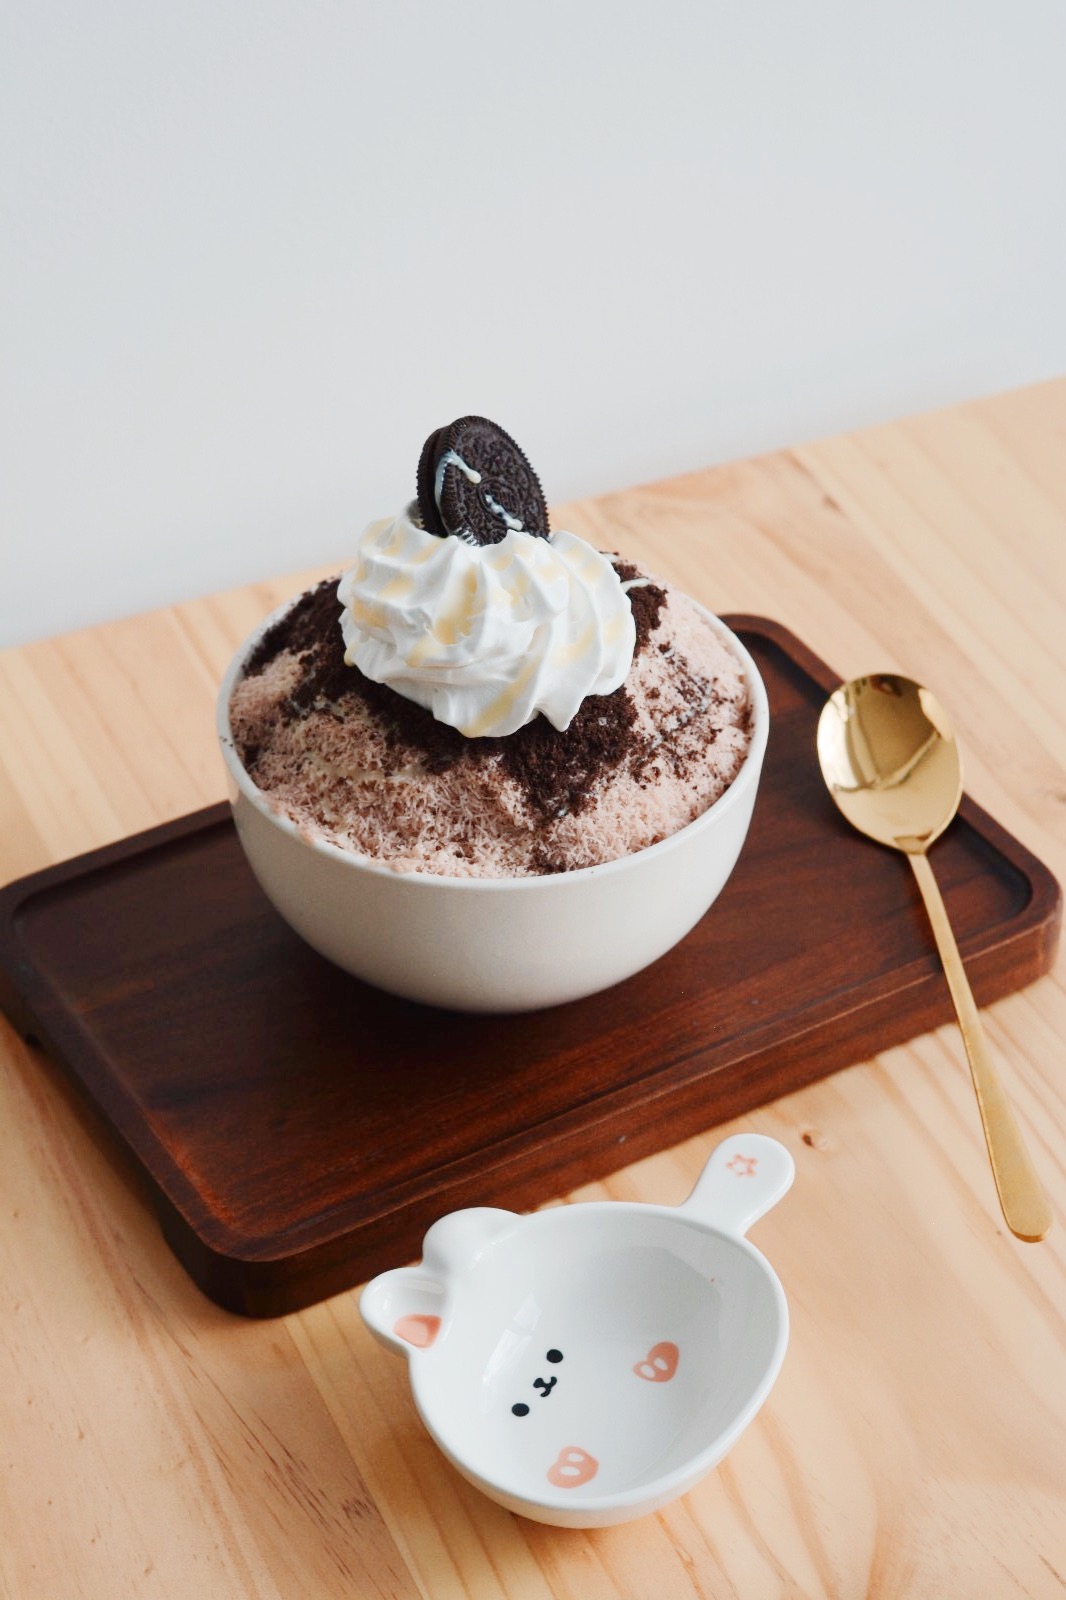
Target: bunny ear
404,1309
454,1243
746,1175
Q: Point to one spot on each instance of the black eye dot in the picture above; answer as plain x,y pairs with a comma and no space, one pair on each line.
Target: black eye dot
520,1410
554,1355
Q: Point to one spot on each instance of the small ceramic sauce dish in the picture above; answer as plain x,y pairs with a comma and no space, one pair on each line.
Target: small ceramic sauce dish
587,1364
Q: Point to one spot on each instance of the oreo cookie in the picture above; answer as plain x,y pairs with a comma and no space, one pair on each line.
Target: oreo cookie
475,482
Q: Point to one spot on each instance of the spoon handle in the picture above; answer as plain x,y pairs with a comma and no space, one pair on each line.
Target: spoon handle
1021,1196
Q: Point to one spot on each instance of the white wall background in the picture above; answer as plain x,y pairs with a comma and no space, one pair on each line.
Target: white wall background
255,250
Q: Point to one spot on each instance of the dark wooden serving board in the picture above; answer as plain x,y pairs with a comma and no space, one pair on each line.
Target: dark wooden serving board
300,1130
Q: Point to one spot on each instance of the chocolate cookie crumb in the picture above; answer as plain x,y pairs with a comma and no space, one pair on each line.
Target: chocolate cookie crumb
555,771
303,627
544,864
541,797
646,601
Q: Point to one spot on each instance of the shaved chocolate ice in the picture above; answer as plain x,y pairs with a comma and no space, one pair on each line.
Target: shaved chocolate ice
358,764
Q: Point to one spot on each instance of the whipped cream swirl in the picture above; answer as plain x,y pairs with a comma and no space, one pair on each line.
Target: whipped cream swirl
486,636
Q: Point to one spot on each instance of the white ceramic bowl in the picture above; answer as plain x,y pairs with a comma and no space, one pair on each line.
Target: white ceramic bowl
494,944
587,1364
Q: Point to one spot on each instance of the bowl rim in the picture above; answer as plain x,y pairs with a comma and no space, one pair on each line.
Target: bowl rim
652,1491
746,778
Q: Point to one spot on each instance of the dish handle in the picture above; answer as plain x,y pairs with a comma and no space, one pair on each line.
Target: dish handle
746,1175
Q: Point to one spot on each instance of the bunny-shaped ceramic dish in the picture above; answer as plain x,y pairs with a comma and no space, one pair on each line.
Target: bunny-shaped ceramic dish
587,1364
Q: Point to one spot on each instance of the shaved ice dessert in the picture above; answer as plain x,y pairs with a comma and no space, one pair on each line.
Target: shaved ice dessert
479,696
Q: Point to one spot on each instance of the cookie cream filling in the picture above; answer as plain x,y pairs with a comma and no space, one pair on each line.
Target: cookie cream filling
486,636
452,458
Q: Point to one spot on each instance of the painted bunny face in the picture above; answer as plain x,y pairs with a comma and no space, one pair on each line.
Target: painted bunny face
549,1360
572,1357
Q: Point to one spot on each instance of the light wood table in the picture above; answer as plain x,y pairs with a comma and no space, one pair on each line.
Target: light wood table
915,1444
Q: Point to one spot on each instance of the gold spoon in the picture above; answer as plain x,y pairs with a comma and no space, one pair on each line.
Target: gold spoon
889,758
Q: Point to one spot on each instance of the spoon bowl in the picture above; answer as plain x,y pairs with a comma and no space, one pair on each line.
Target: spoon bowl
891,763
891,760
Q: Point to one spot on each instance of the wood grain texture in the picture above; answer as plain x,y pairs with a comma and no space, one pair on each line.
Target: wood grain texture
329,1125
914,1444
